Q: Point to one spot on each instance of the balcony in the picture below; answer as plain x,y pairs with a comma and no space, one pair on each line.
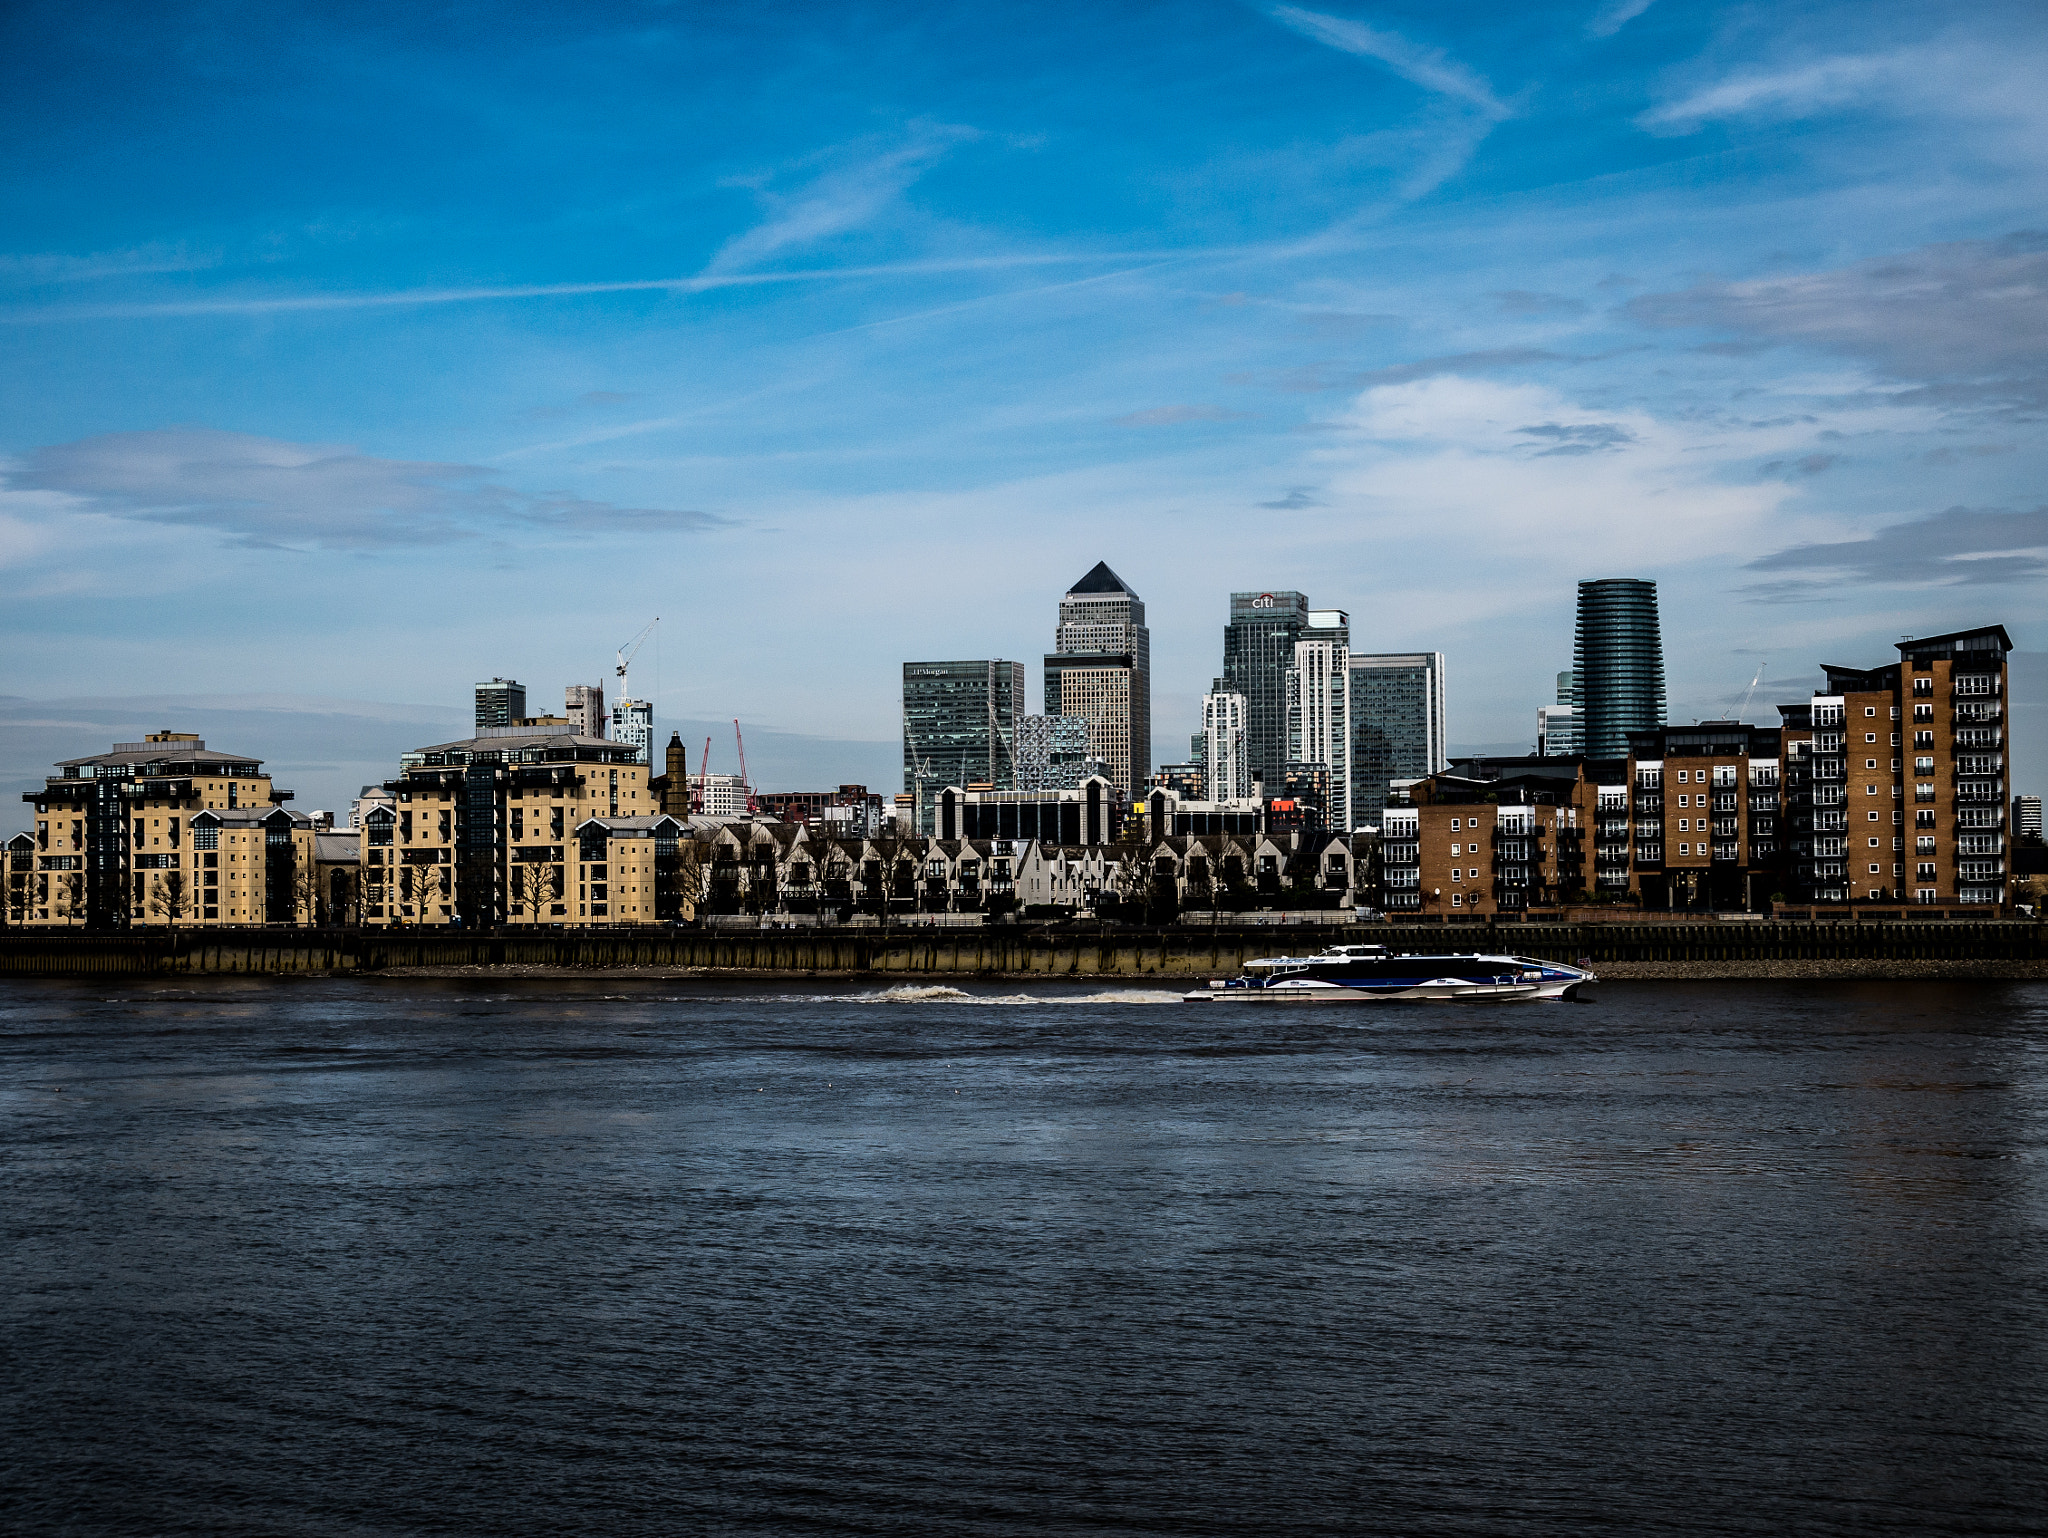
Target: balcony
1976,713
1979,737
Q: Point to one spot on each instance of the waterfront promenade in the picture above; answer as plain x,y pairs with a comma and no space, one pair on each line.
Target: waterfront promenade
1770,948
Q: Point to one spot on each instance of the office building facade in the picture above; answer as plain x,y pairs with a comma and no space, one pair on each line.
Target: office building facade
1100,669
1258,653
1617,664
1397,726
500,702
1053,752
959,727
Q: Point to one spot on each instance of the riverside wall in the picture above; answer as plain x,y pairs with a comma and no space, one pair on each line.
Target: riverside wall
1771,948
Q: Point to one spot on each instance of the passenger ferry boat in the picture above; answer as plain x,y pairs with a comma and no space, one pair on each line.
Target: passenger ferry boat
1366,974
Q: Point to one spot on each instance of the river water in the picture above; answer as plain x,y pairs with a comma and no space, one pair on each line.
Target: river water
404,1256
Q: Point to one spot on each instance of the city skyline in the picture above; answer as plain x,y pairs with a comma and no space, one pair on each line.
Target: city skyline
357,359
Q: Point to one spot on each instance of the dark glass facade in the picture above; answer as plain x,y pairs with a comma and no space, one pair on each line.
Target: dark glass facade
1617,664
1397,714
1258,649
959,727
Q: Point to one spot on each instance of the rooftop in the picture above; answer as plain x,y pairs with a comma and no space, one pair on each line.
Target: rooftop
1101,580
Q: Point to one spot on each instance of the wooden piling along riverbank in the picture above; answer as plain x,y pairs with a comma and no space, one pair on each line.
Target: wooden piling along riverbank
1901,948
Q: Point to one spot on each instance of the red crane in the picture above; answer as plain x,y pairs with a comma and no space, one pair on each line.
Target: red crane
752,804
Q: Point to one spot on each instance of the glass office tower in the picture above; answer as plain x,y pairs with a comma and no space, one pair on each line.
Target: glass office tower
1258,650
1617,664
959,727
1397,726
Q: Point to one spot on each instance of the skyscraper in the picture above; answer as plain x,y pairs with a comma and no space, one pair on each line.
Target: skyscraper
583,704
1557,725
1258,650
1319,710
500,702
1617,664
1101,669
633,724
1397,726
1227,770
959,727
1053,753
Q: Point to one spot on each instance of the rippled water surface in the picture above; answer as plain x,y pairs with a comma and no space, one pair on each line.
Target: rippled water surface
401,1256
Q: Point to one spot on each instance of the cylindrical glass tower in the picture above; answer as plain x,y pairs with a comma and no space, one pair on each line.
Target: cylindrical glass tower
1617,664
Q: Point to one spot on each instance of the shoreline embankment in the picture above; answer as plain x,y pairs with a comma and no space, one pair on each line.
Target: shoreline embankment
1993,949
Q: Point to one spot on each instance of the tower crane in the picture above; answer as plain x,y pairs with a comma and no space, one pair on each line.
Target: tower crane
631,650
745,784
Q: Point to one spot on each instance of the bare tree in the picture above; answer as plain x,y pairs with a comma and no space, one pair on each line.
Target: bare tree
67,895
170,898
533,888
418,884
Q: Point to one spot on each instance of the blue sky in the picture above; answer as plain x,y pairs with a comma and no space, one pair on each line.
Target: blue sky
356,353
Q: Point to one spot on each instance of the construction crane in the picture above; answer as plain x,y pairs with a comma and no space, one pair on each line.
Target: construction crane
703,777
752,804
631,650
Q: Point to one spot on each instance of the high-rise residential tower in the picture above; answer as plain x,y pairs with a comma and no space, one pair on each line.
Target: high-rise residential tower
1617,664
1397,726
1101,669
500,702
1258,651
633,724
583,704
1557,725
1226,768
959,727
1319,709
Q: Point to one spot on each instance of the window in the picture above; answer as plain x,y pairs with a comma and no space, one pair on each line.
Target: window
1925,870
1870,710
1455,825
1873,817
1873,871
1685,849
1457,899
1870,790
1873,843
1474,875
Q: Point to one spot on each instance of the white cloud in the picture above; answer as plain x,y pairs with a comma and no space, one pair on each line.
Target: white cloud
1430,68
1791,92
266,492
1611,18
1482,492
846,198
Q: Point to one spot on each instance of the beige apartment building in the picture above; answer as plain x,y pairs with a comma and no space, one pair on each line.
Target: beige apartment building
487,830
162,832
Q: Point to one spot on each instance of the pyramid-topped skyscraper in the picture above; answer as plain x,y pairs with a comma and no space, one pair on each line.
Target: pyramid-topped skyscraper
1100,668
